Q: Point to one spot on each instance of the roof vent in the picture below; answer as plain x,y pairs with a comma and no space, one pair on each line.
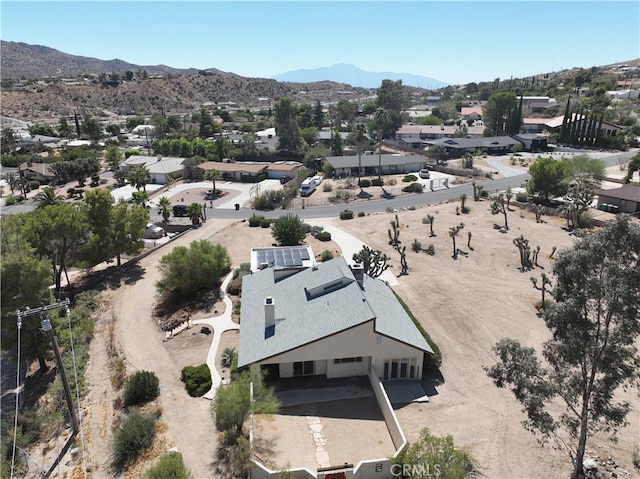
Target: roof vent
269,317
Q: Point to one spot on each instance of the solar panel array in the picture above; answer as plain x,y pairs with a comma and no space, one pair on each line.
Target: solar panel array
293,256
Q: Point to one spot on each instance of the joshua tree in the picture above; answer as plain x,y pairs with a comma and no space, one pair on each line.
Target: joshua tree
538,210
508,195
469,241
463,200
553,251
393,236
543,287
525,253
499,206
403,260
453,232
374,262
429,220
164,208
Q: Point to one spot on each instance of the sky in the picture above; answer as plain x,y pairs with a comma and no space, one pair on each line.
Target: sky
451,41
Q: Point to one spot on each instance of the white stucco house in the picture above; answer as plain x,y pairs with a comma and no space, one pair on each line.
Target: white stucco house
160,167
329,319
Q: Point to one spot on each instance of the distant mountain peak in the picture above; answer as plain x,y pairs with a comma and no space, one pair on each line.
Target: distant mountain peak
355,76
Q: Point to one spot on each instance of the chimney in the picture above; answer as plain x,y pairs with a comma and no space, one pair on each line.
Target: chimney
269,317
358,272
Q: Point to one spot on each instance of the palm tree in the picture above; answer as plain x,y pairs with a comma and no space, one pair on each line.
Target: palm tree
140,197
212,175
164,208
381,117
47,197
195,213
360,139
140,177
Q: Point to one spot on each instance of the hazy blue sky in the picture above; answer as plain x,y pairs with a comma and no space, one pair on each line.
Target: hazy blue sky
452,41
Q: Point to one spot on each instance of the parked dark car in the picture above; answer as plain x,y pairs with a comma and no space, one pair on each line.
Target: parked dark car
180,210
285,179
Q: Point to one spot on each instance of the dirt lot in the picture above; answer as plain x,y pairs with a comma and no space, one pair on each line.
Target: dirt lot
466,305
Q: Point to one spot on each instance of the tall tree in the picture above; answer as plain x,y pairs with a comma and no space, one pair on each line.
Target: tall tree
286,124
392,96
164,208
127,228
548,178
585,177
113,157
595,323
381,117
360,137
57,232
337,145
140,177
212,175
497,111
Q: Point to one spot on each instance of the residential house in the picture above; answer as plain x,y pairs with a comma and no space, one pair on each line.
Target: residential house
433,132
32,170
391,164
244,171
471,113
532,141
284,259
538,104
625,199
324,137
160,167
331,320
554,125
282,169
494,145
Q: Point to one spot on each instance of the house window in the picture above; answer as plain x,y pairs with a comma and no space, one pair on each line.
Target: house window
303,368
347,360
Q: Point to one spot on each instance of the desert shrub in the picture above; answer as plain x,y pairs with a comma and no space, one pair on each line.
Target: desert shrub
170,466
235,287
289,230
413,188
365,183
346,215
484,194
135,434
377,182
326,256
430,250
197,379
71,192
324,236
392,181
265,222
240,271
34,185
360,214
586,220
315,230
326,187
522,197
416,246
409,178
255,220
142,387
12,200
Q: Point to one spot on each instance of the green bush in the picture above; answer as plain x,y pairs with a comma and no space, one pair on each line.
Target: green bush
484,194
34,185
327,187
326,256
12,200
413,188
360,214
170,466
265,222
377,182
142,387
409,178
324,236
430,250
346,215
255,220
522,197
135,434
197,379
364,183
235,287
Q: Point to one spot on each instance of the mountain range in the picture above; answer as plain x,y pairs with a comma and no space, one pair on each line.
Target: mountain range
352,75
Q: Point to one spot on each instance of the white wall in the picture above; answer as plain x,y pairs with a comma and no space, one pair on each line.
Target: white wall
360,340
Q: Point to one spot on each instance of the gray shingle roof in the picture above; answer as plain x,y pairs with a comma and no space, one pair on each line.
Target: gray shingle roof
372,160
305,311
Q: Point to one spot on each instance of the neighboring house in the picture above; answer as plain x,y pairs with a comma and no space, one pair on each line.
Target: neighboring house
471,113
623,94
392,164
158,166
281,169
532,141
37,170
244,171
419,111
493,145
625,199
331,320
433,132
324,137
554,125
539,104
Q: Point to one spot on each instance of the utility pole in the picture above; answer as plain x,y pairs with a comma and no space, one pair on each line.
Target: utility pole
43,311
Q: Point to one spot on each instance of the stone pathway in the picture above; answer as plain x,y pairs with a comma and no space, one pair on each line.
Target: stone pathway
319,439
219,324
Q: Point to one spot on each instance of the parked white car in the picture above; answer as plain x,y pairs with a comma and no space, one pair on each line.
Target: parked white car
153,231
424,174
